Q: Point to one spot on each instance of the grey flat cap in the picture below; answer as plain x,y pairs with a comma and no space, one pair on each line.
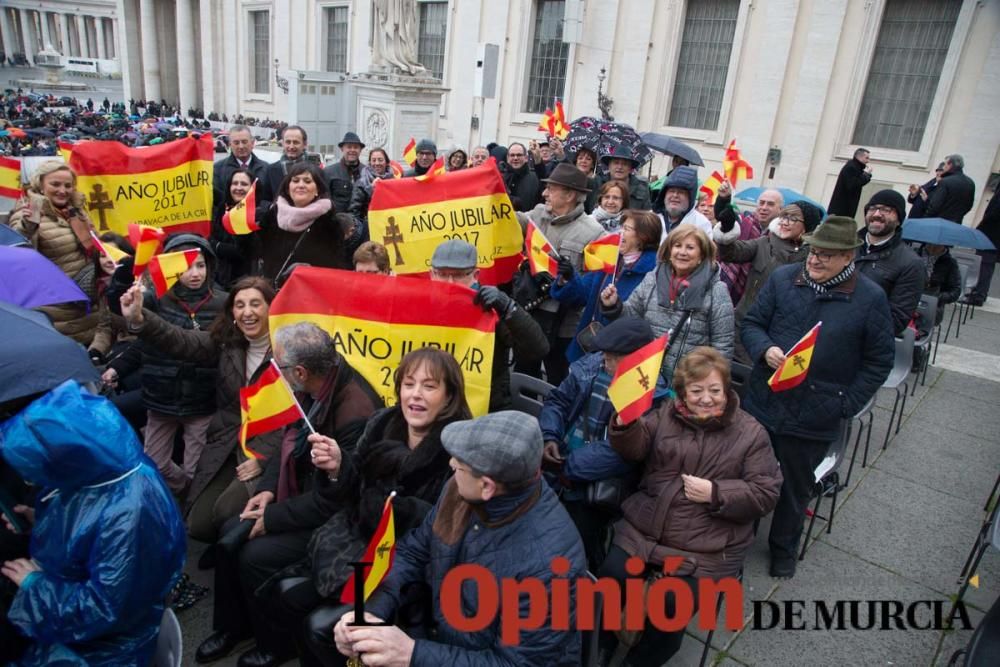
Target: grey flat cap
505,446
454,254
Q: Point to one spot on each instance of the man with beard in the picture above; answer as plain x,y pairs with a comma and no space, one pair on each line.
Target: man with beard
426,155
342,175
677,199
521,181
883,257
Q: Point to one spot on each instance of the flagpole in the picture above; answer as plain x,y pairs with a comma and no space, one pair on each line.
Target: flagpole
618,257
294,398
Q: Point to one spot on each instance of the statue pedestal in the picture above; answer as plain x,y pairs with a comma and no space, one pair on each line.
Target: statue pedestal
391,108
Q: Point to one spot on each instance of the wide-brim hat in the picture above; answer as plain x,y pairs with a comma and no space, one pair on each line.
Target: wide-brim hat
620,152
351,138
568,176
837,232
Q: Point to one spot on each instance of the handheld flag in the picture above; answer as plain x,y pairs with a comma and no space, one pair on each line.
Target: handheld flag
10,177
397,169
554,123
164,270
109,250
734,166
410,152
265,406
541,254
147,241
379,553
711,185
792,371
242,218
631,389
436,169
602,254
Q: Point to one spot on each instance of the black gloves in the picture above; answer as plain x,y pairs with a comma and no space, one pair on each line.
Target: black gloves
96,357
565,268
726,218
490,297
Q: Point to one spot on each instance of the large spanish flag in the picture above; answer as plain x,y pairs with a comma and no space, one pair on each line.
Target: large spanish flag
242,218
379,554
166,269
631,389
793,370
602,254
375,320
265,406
10,177
168,186
411,218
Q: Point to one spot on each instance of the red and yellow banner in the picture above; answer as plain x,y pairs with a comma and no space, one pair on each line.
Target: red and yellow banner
602,254
436,169
10,177
540,253
242,218
375,320
166,269
734,166
167,186
266,406
554,123
631,389
411,218
410,152
793,370
380,552
711,185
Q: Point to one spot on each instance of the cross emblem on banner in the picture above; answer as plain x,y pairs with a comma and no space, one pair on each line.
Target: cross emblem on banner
643,378
799,361
394,237
100,200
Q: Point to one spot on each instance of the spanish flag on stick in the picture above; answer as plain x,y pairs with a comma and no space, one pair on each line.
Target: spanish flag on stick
712,184
265,406
541,254
410,152
379,553
397,169
242,218
734,166
164,270
436,169
147,241
602,254
10,177
109,250
792,372
554,123
631,389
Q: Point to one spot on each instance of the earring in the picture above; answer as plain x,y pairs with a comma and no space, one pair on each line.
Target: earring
234,323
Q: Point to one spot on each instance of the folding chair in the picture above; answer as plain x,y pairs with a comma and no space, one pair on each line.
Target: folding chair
963,272
926,317
590,653
527,393
971,261
898,376
170,642
868,410
740,376
828,482
718,608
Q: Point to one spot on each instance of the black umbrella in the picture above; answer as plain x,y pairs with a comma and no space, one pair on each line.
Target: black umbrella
602,136
34,357
41,132
670,146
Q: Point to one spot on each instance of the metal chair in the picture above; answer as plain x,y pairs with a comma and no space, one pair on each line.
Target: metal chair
926,318
828,482
963,272
740,377
170,642
718,608
527,393
898,377
867,410
972,263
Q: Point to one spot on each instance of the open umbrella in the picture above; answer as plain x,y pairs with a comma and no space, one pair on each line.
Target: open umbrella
17,132
9,237
29,279
945,232
670,146
789,195
601,136
35,357
41,132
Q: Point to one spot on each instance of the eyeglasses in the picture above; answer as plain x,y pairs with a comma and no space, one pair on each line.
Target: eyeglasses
822,256
878,208
790,219
452,275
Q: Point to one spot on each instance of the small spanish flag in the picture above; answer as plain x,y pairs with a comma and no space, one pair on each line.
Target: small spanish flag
602,254
10,177
397,169
379,553
436,169
242,218
147,241
541,254
711,185
164,270
792,372
734,166
266,406
410,152
631,389
109,250
554,123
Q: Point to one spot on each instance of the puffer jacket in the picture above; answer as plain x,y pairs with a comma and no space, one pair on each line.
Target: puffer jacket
897,270
361,198
107,534
35,218
513,537
851,359
733,452
341,179
706,298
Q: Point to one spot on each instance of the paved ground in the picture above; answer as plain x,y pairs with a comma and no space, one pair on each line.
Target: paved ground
902,530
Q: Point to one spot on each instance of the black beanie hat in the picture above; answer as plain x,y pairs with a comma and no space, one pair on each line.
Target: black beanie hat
811,214
889,198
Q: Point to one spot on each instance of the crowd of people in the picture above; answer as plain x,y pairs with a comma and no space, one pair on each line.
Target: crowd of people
510,491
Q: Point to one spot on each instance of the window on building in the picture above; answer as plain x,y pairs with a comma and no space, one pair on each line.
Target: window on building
336,39
260,44
703,64
431,37
912,45
547,70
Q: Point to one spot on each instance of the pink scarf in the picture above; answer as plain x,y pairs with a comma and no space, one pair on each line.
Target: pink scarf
298,219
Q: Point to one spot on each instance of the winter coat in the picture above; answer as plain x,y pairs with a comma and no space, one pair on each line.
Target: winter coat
897,270
585,290
518,333
234,252
706,298
918,207
274,174
681,177
735,274
322,245
952,198
35,218
361,198
230,360
945,281
763,255
523,187
107,534
222,173
732,451
990,224
514,537
851,359
847,191
639,198
341,179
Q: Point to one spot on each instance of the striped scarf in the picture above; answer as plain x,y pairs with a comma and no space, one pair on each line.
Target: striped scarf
820,288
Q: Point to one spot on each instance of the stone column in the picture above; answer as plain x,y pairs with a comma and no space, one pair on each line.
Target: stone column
187,77
81,33
112,44
207,57
43,18
99,29
27,36
150,51
7,30
64,34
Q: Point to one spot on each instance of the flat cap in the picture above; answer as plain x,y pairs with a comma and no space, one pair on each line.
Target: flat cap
454,254
624,336
505,446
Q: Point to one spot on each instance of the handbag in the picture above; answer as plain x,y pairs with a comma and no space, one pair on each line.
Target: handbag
585,336
607,494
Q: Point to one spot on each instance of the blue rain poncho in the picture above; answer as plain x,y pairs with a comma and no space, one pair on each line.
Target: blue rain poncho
108,535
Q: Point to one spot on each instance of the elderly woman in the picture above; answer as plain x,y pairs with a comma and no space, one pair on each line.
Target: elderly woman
706,464
52,216
612,198
684,297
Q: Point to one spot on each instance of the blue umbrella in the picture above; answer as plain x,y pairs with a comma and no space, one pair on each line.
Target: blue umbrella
945,232
29,279
9,237
34,357
753,194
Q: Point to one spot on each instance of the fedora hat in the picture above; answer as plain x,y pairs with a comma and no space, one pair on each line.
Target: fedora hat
568,176
620,152
351,138
835,233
